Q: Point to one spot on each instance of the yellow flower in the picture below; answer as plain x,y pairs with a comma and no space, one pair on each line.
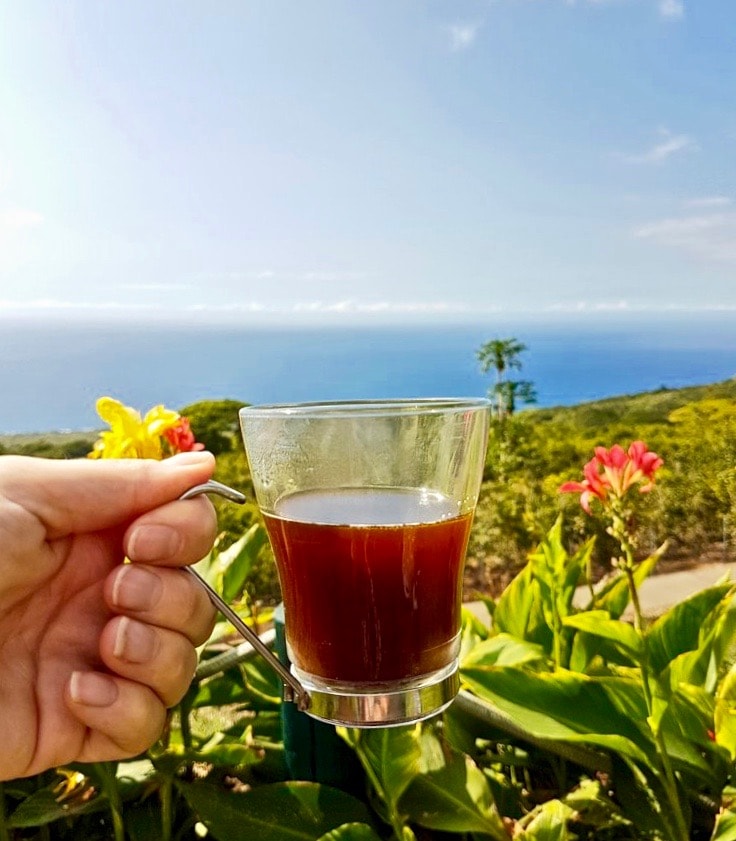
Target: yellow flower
131,436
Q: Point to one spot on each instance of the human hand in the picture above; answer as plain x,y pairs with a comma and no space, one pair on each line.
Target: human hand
93,651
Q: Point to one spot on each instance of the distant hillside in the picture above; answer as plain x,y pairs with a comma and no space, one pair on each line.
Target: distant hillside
650,407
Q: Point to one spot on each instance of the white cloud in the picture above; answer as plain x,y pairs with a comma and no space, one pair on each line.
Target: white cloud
389,307
709,201
590,306
667,9
155,287
665,149
710,236
463,35
55,304
672,9
17,233
17,218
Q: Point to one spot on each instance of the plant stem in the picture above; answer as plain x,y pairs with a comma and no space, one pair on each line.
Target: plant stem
670,781
4,834
397,824
185,725
106,772
165,794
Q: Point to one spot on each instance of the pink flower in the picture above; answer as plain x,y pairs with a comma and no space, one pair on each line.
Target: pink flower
181,438
591,486
614,471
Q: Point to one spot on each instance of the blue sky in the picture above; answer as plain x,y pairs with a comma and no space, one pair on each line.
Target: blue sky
263,159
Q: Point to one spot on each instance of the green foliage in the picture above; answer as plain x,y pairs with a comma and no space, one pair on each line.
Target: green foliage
572,723
533,452
502,355
215,423
658,700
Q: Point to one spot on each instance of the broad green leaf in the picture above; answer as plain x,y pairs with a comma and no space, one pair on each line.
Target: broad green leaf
725,828
514,606
549,823
679,630
451,794
503,650
691,667
391,756
584,649
236,562
725,713
684,725
614,595
599,624
519,611
607,712
294,811
593,806
143,819
472,632
351,832
46,806
221,690
136,770
724,644
641,798
262,681
227,754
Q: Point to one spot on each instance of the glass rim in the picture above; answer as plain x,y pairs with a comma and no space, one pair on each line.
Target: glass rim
405,406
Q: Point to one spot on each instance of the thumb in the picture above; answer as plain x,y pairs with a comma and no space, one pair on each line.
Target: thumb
81,495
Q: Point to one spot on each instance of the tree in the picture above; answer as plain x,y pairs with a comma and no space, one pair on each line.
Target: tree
215,423
502,355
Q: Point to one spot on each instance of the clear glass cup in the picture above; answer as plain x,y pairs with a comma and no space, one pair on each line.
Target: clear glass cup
368,507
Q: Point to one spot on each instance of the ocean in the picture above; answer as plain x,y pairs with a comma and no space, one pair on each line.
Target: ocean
51,372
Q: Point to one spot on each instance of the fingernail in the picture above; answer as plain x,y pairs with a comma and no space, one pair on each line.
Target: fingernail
153,543
92,689
134,641
135,588
190,458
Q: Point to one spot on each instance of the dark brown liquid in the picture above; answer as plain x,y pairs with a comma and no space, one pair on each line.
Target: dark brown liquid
379,601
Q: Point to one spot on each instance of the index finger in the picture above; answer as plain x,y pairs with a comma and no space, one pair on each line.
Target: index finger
78,496
178,533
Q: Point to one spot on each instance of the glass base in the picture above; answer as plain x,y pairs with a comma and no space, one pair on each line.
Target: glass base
380,705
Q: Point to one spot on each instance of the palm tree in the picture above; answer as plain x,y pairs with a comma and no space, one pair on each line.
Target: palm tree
502,355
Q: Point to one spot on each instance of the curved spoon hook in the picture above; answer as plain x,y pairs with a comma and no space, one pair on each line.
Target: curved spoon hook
293,690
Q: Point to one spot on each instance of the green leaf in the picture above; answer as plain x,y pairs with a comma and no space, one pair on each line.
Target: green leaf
679,630
691,667
684,725
549,823
472,631
615,595
391,756
451,794
221,690
236,562
293,811
519,611
599,624
143,819
42,807
725,713
503,650
604,712
725,828
593,806
136,770
263,683
724,643
226,753
351,832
